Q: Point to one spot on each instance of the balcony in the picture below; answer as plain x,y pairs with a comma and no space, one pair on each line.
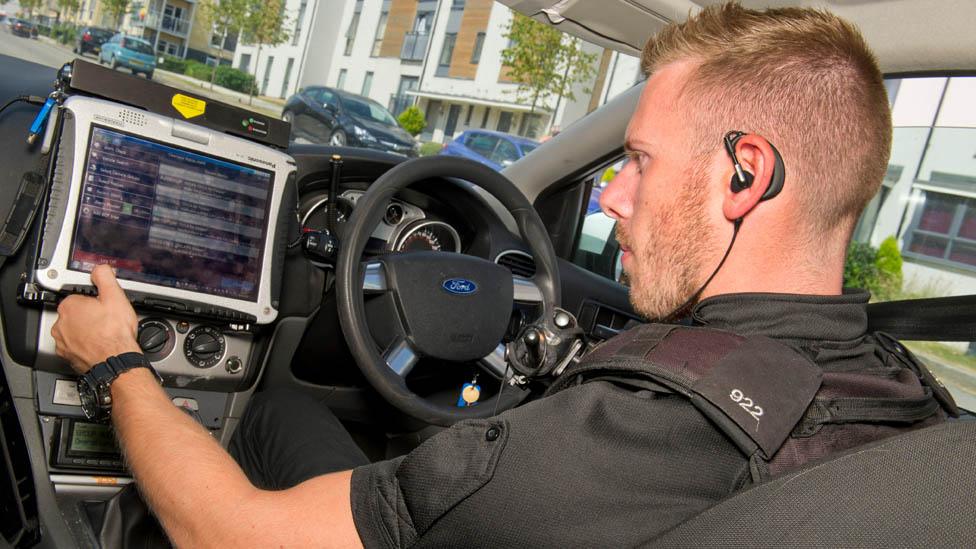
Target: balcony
414,46
167,23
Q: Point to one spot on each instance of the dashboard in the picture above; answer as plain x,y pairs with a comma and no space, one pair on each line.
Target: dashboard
405,227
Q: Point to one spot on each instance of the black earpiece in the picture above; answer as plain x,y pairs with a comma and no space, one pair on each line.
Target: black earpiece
743,180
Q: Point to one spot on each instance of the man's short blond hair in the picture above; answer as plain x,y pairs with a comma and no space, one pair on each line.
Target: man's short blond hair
802,78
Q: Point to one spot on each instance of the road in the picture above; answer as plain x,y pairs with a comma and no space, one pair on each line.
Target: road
47,53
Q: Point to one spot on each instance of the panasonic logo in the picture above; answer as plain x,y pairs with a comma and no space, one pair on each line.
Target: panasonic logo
262,162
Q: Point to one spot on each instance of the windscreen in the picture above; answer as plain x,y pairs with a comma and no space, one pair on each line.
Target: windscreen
170,217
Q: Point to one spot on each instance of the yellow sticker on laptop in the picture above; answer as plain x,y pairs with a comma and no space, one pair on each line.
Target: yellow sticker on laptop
189,106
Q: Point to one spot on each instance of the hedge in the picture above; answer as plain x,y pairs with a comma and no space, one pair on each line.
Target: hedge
878,270
235,79
198,70
173,64
430,149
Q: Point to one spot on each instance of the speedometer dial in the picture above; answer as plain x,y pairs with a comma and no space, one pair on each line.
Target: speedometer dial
429,236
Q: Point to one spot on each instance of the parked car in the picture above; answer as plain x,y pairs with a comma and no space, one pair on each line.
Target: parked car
328,115
130,52
23,28
90,40
495,149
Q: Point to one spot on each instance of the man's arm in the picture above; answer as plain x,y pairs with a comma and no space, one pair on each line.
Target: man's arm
196,489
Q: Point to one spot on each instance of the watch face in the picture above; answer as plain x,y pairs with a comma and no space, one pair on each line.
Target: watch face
88,397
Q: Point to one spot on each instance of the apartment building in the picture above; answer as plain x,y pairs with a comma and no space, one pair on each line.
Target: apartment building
303,59
442,55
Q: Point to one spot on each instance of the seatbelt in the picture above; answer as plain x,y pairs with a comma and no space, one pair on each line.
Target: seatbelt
934,319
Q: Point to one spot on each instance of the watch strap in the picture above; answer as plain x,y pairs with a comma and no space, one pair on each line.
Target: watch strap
101,376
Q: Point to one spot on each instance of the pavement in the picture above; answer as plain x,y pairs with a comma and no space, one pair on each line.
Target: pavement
46,51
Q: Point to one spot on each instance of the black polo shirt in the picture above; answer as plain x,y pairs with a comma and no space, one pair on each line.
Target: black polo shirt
596,465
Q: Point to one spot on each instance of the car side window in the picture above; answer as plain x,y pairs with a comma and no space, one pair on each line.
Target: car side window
917,237
482,144
505,152
596,248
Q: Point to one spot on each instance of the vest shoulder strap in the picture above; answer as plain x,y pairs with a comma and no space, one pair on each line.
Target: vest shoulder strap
755,389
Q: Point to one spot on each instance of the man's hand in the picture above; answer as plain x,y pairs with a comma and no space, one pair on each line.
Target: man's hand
91,329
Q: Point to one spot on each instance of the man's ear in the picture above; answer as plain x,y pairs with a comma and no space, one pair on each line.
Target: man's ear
756,157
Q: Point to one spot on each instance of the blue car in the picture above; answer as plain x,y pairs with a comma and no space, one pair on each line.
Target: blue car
130,52
495,149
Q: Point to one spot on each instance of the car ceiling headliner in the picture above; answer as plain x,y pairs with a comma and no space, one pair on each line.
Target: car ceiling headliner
906,35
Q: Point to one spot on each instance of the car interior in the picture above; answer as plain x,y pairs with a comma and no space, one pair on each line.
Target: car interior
359,226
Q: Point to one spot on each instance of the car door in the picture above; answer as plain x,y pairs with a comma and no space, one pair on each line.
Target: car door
312,119
324,113
108,49
505,153
480,147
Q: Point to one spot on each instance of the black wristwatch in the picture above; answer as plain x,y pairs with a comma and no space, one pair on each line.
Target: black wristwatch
95,387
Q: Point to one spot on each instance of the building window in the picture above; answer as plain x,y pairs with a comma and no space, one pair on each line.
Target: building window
380,30
467,117
297,33
367,83
944,230
341,81
447,51
479,43
484,119
215,40
353,27
245,62
267,75
529,126
504,122
286,81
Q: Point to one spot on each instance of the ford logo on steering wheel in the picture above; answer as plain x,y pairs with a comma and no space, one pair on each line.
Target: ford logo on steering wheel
459,286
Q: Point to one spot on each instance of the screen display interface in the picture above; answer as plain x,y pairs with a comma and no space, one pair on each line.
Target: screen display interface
166,216
92,438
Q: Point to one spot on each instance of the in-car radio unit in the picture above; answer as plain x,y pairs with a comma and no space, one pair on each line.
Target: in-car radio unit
188,217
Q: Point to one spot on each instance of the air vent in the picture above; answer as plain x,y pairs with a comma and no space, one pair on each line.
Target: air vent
520,263
132,117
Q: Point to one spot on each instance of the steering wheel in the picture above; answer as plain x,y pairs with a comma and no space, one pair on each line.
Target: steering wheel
449,306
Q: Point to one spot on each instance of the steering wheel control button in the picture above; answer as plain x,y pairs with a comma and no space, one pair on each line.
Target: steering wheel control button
155,338
204,346
234,365
492,434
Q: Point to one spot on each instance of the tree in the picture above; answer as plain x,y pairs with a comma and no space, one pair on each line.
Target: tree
226,17
544,62
65,7
412,119
117,9
264,25
30,6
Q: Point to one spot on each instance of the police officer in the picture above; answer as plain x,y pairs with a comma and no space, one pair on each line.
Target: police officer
758,140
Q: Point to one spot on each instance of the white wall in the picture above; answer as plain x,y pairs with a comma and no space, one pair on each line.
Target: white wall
916,102
324,39
485,85
315,46
386,70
